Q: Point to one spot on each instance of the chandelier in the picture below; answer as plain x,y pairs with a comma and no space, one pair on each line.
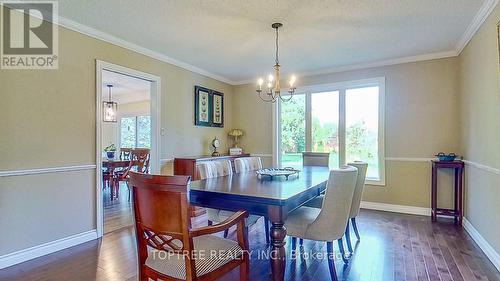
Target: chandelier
273,89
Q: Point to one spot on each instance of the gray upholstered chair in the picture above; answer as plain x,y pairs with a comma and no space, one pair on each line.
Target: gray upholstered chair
221,168
316,159
245,164
328,223
356,201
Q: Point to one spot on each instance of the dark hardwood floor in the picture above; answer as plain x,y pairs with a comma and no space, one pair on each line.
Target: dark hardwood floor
118,212
393,247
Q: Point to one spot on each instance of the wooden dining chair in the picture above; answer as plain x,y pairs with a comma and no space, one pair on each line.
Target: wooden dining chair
139,162
328,223
221,168
317,202
245,164
168,248
125,153
316,159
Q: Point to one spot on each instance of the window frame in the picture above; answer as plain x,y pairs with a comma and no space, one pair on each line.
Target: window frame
341,87
135,116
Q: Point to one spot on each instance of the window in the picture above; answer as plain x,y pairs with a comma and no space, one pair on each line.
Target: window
345,119
135,131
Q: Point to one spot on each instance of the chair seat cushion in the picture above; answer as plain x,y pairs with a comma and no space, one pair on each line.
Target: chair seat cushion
316,202
212,252
219,216
299,220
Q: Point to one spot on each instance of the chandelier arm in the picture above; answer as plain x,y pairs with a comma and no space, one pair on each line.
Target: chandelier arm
288,99
272,99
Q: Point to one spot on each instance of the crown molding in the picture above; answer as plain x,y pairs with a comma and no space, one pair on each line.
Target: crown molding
408,59
97,34
475,24
473,27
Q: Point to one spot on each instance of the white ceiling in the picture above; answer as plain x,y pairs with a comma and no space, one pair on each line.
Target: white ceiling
233,40
125,89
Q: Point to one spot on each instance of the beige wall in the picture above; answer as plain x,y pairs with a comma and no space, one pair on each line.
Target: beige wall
47,119
421,110
480,116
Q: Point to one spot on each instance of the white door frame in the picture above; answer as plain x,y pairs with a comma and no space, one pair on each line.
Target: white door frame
155,105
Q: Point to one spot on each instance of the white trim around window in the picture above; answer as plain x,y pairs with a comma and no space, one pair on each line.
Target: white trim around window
341,87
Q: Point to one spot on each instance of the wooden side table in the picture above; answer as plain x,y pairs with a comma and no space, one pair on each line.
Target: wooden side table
457,213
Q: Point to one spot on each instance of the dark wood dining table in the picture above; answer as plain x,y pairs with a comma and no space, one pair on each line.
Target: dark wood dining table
272,198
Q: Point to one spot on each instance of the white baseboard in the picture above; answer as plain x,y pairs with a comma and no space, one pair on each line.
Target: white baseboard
47,248
396,208
488,250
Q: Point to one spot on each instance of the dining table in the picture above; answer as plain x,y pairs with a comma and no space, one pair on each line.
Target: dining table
273,198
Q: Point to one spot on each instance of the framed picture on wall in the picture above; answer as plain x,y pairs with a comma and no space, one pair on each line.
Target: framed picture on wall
218,109
208,107
202,107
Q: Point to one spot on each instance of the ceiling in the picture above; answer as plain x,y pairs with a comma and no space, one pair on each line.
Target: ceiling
232,39
126,89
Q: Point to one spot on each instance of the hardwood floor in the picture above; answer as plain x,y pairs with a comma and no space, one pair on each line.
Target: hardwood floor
393,247
117,213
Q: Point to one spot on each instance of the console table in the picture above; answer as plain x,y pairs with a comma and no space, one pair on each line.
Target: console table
187,166
456,212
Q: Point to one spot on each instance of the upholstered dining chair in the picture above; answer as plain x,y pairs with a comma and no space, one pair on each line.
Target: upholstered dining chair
328,223
168,248
220,168
244,164
316,159
356,201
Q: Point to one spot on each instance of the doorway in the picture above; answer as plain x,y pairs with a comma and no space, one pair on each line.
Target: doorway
127,138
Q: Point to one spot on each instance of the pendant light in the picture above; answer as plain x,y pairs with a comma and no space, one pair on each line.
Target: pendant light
109,108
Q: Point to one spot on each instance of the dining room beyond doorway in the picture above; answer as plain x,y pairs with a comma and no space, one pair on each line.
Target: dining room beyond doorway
125,143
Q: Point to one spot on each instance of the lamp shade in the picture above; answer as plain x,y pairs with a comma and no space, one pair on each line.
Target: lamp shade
109,111
235,133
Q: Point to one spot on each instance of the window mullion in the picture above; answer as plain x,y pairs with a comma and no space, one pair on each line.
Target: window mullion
308,123
136,130
342,127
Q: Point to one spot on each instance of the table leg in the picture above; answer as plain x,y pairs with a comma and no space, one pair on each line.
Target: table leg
277,216
434,193
278,255
460,190
456,207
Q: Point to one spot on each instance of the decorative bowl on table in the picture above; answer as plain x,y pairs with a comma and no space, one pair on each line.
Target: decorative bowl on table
446,157
277,172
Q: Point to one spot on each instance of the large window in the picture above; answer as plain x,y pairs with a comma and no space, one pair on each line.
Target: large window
345,119
135,131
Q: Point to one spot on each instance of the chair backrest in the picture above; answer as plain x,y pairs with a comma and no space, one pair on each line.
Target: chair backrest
213,169
316,159
360,185
332,219
140,158
244,164
161,211
125,153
